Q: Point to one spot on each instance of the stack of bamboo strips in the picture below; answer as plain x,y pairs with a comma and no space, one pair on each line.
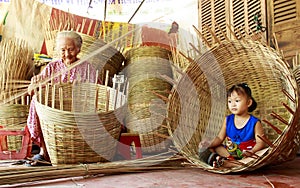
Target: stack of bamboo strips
29,176
15,65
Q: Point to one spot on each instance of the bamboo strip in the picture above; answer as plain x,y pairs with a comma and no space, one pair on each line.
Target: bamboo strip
278,131
275,115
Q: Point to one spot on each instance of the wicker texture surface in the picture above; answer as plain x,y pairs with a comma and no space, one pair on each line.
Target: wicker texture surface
146,110
198,114
78,127
13,117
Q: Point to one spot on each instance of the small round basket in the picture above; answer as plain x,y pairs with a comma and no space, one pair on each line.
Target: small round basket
78,124
146,93
198,114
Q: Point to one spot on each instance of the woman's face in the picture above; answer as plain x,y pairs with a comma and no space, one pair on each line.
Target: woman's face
68,50
238,103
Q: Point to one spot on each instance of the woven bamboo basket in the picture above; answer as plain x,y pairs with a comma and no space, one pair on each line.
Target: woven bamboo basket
109,59
146,110
198,114
78,123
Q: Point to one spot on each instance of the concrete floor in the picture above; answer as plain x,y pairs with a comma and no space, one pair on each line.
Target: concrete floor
286,175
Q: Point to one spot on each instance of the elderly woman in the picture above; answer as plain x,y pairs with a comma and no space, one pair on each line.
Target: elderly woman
68,45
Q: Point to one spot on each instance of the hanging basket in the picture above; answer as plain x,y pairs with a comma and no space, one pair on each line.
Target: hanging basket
198,104
79,123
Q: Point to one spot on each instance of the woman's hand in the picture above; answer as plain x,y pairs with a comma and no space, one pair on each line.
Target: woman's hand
33,84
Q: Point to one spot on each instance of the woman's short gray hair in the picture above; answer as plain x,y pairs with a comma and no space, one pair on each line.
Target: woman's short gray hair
70,34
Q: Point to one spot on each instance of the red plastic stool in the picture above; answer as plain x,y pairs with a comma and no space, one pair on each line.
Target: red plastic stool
26,144
124,145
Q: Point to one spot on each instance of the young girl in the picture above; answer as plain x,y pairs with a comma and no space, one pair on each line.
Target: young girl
240,129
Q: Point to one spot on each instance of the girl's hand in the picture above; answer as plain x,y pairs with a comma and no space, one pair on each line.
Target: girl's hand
204,144
247,153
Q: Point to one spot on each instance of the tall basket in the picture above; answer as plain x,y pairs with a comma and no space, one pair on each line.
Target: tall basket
78,123
198,114
145,66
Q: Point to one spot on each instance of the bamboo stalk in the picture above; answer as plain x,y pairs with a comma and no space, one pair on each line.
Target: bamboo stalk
265,140
289,96
97,76
275,115
107,100
107,77
165,99
278,131
61,98
83,25
88,73
90,26
288,108
40,93
46,94
96,99
213,34
202,37
53,96
230,30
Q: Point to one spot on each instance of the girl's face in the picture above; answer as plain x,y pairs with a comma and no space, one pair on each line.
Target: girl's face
68,50
238,103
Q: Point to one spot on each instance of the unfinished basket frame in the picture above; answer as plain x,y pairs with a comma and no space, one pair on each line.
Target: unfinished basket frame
197,115
79,124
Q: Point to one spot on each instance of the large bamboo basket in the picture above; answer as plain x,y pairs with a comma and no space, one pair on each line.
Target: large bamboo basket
198,114
79,122
146,110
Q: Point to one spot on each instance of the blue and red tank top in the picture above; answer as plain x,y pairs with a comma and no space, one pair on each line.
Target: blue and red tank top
244,137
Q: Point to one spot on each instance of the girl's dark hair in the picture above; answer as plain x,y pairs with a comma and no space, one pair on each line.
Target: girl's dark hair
244,89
